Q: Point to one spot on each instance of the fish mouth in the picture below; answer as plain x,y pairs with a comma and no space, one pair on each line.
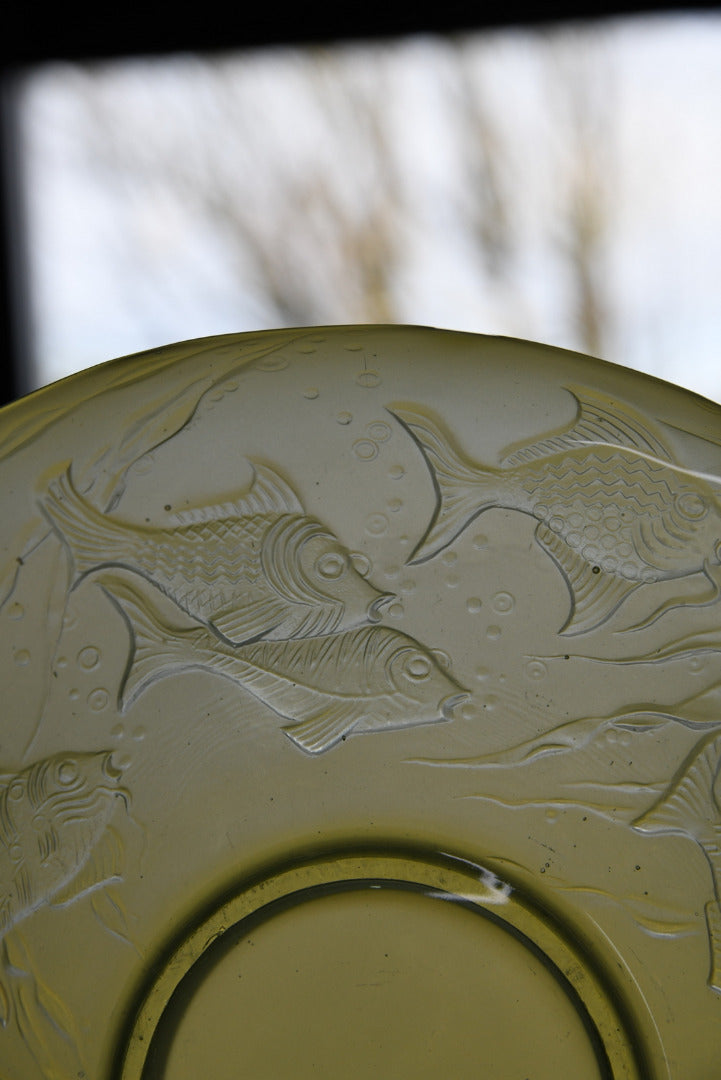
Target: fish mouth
374,608
361,563
449,704
112,770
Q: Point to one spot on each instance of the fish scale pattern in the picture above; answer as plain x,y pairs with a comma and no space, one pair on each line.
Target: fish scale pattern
613,509
200,557
212,551
246,576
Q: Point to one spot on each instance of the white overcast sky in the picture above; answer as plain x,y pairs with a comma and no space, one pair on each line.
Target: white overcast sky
105,285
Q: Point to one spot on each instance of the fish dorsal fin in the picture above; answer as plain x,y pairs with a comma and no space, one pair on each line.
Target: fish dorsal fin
600,421
689,805
320,732
103,865
594,596
268,494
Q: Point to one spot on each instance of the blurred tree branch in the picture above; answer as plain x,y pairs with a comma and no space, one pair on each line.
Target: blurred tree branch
298,164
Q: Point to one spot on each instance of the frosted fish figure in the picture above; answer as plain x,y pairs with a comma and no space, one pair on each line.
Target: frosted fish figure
613,510
56,841
691,807
368,679
254,568
53,817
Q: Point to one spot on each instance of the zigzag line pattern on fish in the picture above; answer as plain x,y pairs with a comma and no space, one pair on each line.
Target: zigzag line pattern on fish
612,484
189,561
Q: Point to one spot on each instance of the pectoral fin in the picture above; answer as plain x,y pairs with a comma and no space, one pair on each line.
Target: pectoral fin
323,730
103,865
110,912
595,595
243,623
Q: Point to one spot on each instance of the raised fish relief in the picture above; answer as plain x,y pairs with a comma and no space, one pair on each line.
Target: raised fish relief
300,649
700,712
369,679
157,416
57,844
690,807
254,568
614,511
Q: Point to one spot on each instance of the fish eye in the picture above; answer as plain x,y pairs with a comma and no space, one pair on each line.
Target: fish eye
417,667
17,790
692,506
67,771
331,565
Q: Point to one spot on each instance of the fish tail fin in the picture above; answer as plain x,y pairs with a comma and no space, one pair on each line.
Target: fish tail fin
688,807
87,533
463,490
156,649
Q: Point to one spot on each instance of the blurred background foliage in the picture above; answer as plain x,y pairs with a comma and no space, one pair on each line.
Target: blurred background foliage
558,184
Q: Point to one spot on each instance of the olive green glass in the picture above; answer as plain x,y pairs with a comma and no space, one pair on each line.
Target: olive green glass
362,715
